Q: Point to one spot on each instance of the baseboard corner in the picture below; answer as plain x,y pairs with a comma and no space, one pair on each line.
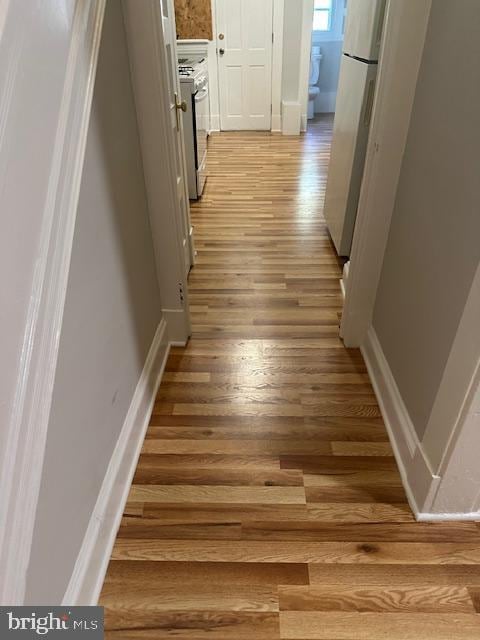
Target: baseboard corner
418,480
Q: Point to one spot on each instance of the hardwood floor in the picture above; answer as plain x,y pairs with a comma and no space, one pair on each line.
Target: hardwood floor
266,502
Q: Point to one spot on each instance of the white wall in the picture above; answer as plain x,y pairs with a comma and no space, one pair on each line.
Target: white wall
111,314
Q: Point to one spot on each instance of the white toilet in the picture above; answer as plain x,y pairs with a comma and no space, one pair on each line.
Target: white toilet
313,89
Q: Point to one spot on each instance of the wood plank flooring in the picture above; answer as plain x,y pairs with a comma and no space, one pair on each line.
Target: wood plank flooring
266,503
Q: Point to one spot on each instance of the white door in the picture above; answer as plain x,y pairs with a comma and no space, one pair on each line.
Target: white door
244,51
176,118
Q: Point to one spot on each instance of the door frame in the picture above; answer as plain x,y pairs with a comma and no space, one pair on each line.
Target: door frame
277,64
149,71
182,153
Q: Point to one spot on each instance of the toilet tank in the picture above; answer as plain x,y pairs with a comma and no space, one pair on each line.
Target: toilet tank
315,60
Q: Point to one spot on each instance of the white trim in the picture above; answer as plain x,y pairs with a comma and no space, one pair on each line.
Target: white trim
213,74
400,57
305,54
189,240
194,47
449,517
27,431
277,64
396,413
417,477
92,561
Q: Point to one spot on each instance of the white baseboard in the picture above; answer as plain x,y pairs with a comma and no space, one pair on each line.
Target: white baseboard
419,481
276,123
449,517
92,561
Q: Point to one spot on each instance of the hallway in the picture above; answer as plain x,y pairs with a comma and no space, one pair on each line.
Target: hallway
267,503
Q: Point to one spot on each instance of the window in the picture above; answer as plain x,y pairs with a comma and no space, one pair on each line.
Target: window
322,15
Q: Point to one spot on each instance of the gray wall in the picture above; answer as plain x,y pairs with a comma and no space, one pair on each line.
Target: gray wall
434,244
111,315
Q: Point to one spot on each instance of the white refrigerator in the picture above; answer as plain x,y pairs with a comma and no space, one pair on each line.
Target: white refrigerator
355,94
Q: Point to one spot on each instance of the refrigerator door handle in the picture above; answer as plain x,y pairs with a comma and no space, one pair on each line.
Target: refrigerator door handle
369,103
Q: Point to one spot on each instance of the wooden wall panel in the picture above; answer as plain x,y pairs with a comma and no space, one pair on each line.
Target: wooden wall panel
194,19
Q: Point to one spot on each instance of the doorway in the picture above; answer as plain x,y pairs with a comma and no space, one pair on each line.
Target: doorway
244,54
328,27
